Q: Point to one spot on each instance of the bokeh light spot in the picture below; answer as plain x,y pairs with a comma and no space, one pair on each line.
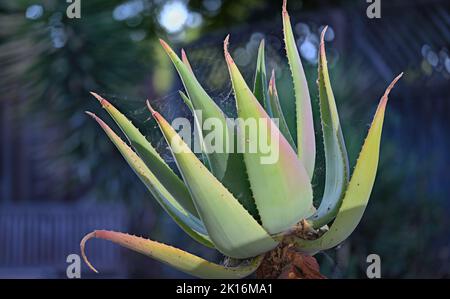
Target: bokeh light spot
34,12
128,10
174,16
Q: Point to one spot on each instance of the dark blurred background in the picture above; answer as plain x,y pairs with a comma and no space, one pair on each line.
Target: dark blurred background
60,177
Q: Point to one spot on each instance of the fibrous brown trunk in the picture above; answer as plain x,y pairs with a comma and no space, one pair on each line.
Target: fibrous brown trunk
284,262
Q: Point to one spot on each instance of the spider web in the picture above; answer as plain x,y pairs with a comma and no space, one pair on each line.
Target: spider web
207,61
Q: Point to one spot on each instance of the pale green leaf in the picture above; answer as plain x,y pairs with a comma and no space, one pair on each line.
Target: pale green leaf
197,133
203,103
226,164
336,159
277,112
150,156
260,82
306,144
233,230
177,258
359,188
188,222
280,184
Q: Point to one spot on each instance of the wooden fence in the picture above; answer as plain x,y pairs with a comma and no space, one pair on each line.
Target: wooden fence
35,240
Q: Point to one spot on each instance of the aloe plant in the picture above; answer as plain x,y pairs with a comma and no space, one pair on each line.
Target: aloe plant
231,201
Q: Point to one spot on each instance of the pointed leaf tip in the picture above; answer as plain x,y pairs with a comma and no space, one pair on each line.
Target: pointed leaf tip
164,44
82,248
101,100
226,42
152,111
185,60
322,35
260,79
322,45
97,119
284,6
96,95
90,114
322,52
384,99
168,49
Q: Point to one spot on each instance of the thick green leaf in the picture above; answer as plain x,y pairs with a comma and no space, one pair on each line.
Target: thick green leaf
280,184
359,188
260,83
306,144
177,258
226,164
197,133
201,101
336,159
188,222
150,156
233,230
277,112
